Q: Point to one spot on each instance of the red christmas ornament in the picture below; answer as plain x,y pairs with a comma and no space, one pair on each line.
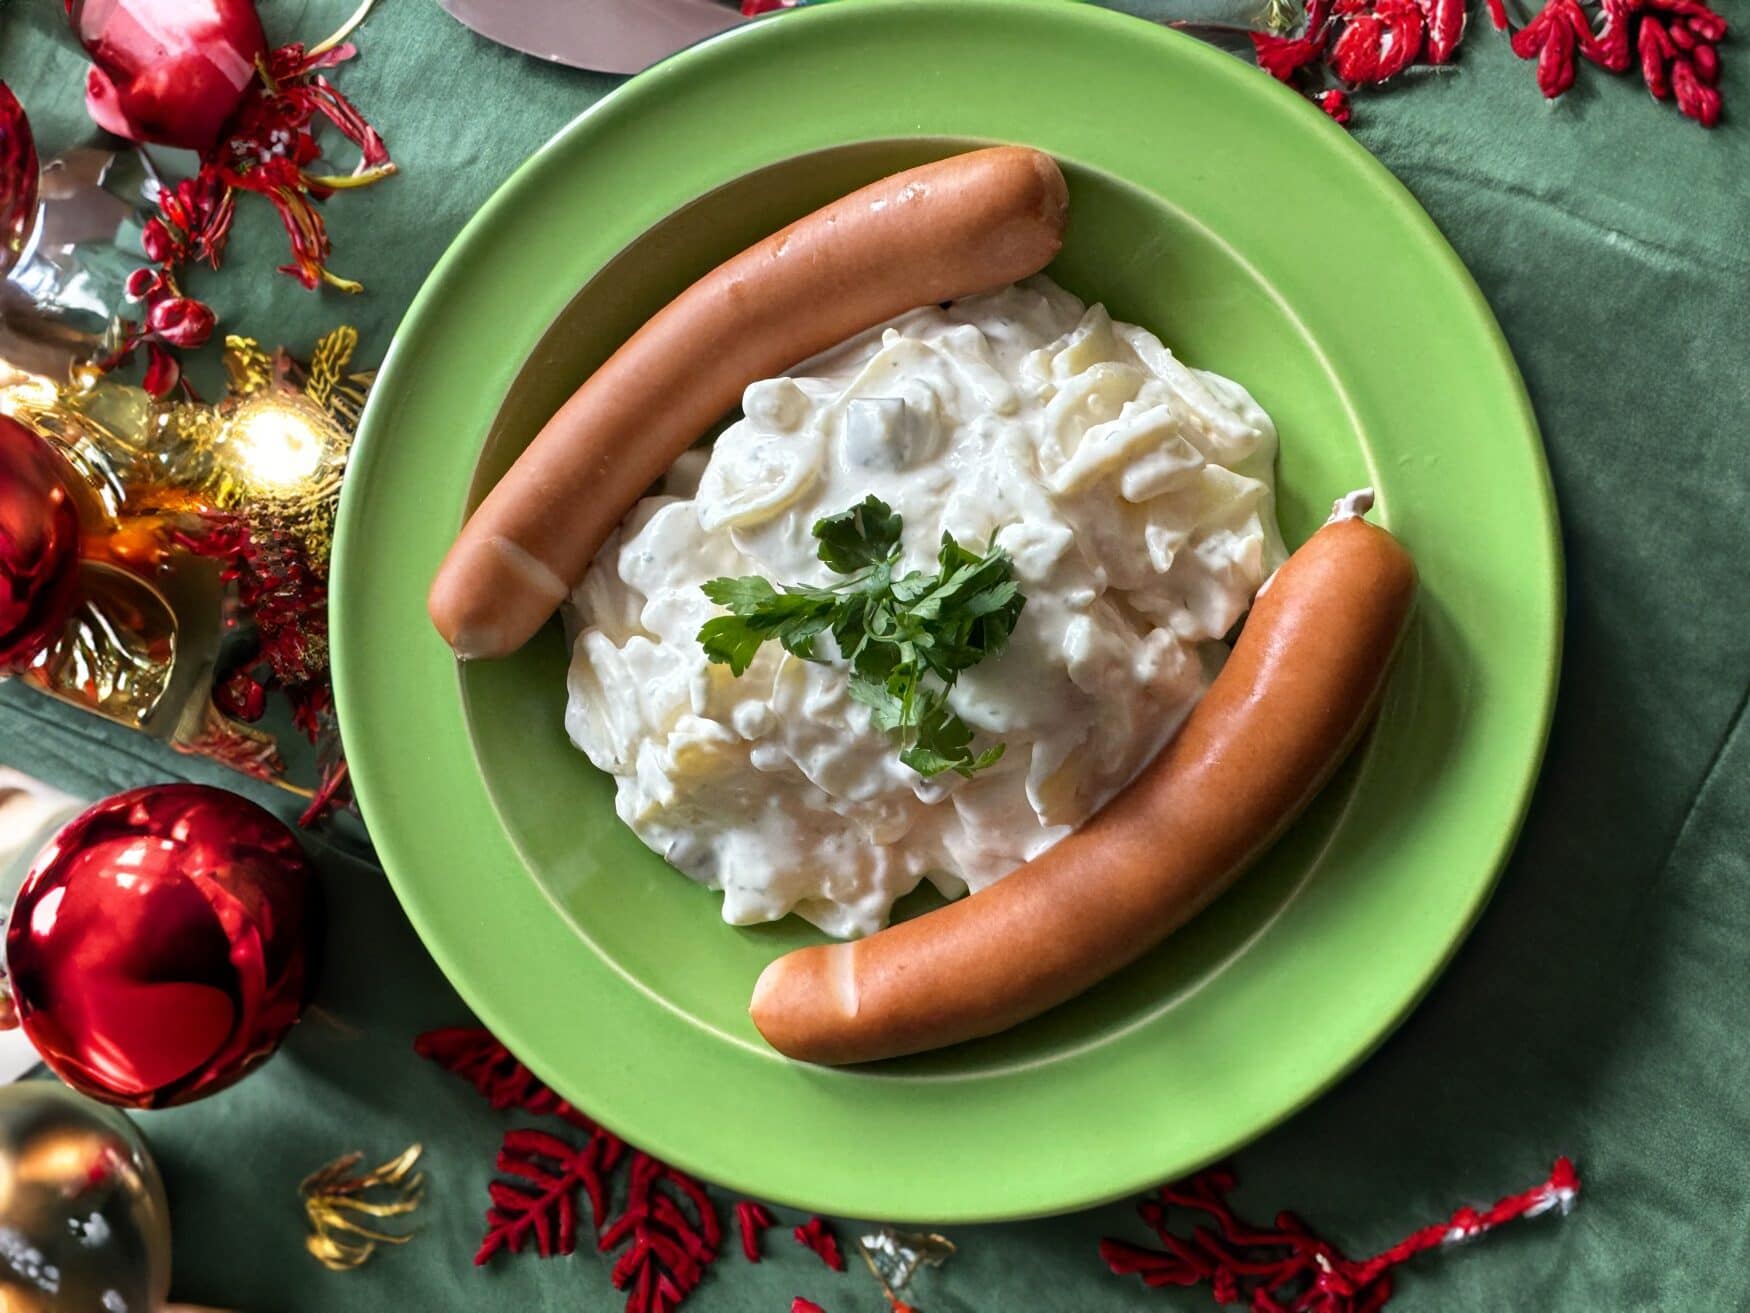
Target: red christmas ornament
160,947
18,178
39,546
168,73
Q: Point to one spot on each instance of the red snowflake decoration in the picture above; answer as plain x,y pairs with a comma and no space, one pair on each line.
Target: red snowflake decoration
668,1230
1289,1269
539,1202
473,1054
671,1233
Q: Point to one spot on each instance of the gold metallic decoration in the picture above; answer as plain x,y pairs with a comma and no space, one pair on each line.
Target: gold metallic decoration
273,447
247,366
118,648
148,628
283,435
894,1257
333,1201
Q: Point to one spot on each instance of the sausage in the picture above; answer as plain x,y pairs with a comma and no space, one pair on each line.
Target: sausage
1298,689
963,225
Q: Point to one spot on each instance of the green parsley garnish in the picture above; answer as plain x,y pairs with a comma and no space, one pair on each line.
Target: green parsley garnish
907,637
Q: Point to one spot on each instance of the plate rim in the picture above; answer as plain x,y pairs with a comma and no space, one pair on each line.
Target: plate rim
470,243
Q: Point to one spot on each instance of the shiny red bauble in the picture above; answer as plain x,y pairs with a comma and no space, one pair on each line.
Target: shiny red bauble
168,73
18,178
39,546
162,944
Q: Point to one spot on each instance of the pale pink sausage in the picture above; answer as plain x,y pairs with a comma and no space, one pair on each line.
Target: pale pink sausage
967,224
1300,686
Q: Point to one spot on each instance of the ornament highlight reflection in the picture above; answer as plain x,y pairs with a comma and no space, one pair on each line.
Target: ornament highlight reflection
275,443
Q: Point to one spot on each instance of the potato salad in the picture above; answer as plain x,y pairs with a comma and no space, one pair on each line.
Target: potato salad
1132,495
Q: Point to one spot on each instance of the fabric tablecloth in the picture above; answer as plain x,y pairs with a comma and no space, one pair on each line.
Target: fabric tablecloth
1599,1008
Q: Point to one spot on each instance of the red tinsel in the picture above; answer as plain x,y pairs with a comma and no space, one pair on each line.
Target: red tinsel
1289,1269
288,603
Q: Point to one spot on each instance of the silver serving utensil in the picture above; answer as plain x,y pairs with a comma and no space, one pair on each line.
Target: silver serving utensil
608,36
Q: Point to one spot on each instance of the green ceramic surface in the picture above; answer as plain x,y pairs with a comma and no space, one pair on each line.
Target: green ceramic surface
1256,239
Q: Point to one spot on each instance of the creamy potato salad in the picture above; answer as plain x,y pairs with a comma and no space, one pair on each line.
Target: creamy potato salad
1134,497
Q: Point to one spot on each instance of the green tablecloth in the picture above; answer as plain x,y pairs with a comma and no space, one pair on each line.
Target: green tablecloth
1598,1010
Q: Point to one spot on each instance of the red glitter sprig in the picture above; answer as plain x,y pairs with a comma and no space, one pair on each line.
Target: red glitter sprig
287,601
801,1305
817,1234
1289,1269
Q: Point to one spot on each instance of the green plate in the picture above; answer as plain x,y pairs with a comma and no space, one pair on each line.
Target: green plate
1257,239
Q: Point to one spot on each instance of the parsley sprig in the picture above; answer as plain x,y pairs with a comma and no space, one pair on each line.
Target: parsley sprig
907,637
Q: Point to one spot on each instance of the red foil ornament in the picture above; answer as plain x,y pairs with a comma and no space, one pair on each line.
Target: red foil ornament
168,73
161,945
39,546
18,178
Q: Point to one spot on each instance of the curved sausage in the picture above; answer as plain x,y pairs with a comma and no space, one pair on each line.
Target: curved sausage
1296,692
967,224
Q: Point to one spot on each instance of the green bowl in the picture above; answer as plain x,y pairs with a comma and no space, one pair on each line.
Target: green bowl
1207,203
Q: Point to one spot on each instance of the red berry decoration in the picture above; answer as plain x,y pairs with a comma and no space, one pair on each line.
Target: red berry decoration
39,546
172,74
18,178
180,320
160,947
